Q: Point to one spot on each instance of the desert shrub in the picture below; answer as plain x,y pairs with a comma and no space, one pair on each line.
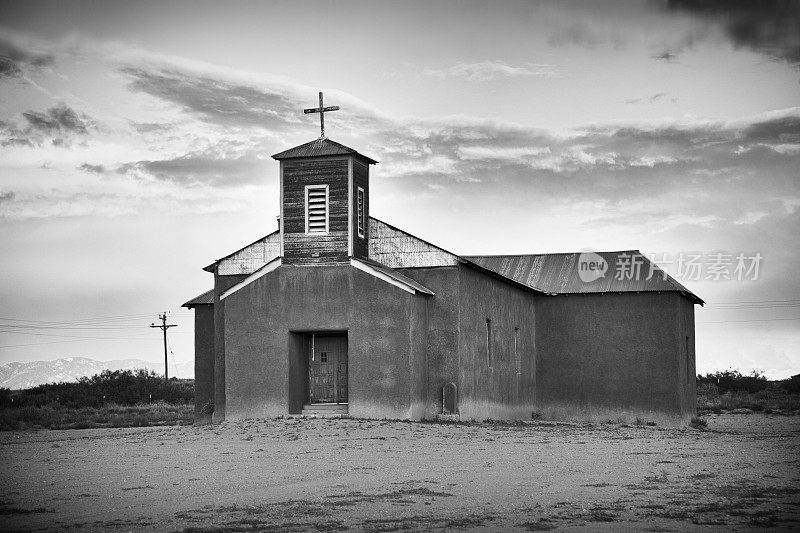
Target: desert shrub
735,381
791,385
113,415
5,397
698,423
124,387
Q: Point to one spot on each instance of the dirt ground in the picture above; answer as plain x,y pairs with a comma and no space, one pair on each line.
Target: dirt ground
334,475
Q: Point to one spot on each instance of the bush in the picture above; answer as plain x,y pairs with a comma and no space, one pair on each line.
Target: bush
112,415
791,385
698,423
5,397
125,387
735,381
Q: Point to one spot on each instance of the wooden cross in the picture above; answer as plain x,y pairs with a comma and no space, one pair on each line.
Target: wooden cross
321,110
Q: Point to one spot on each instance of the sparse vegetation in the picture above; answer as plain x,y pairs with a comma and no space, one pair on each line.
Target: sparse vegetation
111,415
698,423
121,398
731,390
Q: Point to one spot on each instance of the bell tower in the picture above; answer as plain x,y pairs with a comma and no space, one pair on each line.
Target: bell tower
324,189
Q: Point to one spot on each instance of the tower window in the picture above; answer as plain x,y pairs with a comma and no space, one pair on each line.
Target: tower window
360,210
316,209
517,355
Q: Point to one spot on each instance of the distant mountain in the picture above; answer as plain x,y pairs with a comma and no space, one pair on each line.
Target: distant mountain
30,374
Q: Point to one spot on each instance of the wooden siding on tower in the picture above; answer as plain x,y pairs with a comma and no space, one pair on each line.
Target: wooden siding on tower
360,179
302,248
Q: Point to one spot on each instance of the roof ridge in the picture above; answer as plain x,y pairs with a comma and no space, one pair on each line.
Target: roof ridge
556,253
304,150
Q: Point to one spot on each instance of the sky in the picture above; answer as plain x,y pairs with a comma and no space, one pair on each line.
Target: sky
135,144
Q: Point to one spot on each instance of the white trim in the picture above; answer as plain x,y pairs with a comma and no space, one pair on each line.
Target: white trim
380,275
350,206
261,272
327,208
283,201
360,197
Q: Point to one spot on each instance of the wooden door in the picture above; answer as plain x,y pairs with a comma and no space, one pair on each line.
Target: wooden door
328,369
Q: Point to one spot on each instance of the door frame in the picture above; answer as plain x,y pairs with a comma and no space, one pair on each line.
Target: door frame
311,336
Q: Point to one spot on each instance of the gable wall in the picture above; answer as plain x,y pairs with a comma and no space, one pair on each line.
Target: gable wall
385,326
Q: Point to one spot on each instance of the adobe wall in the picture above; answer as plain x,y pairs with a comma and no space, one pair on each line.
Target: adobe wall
687,382
499,391
385,327
203,363
441,341
221,284
615,355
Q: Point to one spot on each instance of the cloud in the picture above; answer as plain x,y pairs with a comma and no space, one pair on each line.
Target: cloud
58,119
580,34
216,100
652,99
13,59
92,169
769,28
60,124
11,135
151,127
206,167
492,70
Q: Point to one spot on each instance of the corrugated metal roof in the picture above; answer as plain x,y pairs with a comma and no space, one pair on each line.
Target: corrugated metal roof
627,271
320,147
207,298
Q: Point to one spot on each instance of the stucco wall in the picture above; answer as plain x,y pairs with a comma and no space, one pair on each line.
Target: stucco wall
384,325
441,341
687,384
497,391
221,284
203,363
620,352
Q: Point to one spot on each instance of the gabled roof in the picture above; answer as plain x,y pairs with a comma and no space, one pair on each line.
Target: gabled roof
320,147
560,274
249,258
393,274
207,298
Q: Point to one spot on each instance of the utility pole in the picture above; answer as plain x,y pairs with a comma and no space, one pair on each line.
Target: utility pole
164,327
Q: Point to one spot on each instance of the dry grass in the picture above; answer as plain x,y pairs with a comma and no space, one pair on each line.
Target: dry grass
112,415
770,400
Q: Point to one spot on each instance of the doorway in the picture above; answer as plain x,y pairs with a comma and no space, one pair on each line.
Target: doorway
328,369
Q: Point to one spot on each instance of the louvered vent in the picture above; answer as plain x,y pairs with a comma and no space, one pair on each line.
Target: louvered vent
317,209
360,207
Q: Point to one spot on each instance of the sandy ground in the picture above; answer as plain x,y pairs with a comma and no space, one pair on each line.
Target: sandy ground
333,475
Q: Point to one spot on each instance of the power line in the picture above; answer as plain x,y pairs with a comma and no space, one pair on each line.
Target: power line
65,336
754,320
64,342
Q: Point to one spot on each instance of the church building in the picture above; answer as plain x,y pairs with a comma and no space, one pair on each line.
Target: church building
338,312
